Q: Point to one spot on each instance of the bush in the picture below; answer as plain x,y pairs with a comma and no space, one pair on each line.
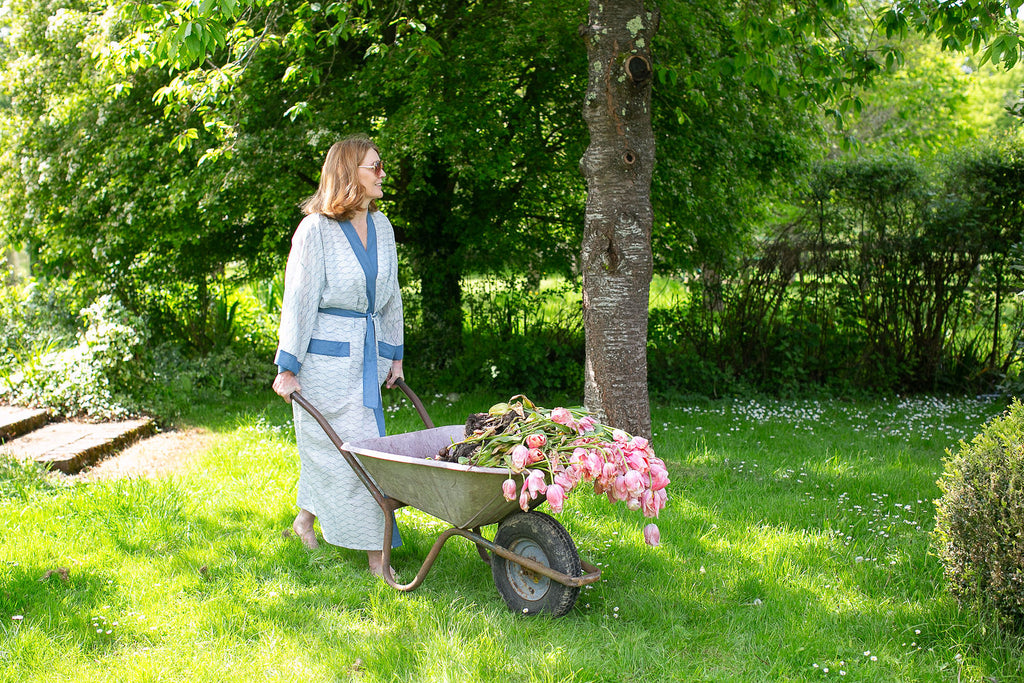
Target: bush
179,379
546,362
87,379
979,529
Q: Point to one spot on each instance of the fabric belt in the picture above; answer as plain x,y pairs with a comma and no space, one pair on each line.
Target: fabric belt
371,390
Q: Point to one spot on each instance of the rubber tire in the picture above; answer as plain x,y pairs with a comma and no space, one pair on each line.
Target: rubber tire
542,538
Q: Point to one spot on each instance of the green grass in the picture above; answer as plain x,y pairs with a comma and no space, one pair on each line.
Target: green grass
795,541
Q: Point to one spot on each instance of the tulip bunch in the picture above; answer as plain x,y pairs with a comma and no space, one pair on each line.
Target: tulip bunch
554,452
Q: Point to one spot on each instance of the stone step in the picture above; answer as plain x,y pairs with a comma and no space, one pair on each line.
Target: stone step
73,446
15,421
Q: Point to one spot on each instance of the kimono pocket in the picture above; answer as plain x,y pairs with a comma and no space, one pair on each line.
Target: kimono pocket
324,347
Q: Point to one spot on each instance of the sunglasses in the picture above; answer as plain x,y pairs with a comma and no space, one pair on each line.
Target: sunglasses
377,166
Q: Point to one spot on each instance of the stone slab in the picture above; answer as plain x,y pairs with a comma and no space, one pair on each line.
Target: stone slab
73,446
15,421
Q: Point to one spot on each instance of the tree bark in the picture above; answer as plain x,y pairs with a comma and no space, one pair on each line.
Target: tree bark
616,254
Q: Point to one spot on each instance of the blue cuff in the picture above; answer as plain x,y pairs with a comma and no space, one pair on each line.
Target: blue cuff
391,351
286,361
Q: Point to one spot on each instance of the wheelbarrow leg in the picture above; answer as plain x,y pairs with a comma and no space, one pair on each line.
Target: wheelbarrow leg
435,550
482,550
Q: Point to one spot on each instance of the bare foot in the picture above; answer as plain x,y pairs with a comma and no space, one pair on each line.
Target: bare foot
376,559
303,528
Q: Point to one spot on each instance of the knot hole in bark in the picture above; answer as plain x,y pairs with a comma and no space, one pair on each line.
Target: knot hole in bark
638,69
629,157
610,258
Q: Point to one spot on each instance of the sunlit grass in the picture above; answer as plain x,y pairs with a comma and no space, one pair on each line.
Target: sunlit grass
794,548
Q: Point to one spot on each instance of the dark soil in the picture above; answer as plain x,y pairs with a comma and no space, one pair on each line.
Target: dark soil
477,424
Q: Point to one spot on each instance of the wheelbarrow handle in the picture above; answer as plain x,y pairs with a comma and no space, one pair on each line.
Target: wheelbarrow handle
339,444
356,466
400,383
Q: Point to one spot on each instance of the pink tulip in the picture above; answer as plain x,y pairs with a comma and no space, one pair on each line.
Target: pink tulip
620,436
573,475
535,482
595,464
534,455
634,482
632,503
659,477
536,440
576,473
649,503
561,416
639,443
637,461
520,454
508,488
585,424
619,488
555,496
652,535
563,480
524,499
609,470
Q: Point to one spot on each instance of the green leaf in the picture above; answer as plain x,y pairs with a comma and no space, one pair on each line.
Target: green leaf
184,139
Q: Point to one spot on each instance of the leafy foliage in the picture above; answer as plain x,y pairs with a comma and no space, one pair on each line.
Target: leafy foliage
89,378
155,151
937,102
93,186
979,518
517,338
891,279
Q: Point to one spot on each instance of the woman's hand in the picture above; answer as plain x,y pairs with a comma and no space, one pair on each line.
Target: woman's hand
285,384
396,373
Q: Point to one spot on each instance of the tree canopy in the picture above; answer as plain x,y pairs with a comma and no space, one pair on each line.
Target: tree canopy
146,146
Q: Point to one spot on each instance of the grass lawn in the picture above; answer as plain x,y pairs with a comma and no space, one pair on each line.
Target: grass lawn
795,547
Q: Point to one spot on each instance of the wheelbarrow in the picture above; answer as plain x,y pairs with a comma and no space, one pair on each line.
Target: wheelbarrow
534,562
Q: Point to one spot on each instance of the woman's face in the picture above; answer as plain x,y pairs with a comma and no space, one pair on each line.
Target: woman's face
371,179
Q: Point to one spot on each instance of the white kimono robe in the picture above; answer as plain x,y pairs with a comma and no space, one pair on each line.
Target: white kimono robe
331,282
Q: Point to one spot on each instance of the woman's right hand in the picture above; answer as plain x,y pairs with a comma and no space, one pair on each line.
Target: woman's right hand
285,384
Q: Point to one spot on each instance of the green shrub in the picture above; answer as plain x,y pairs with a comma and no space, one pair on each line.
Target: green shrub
979,531
178,379
87,379
546,362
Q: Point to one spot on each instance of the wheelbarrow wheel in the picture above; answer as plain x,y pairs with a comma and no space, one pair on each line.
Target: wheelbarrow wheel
538,537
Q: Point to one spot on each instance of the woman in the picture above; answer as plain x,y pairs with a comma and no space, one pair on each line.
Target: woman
340,337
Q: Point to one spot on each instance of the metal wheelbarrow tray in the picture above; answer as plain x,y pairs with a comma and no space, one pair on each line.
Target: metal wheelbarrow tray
534,562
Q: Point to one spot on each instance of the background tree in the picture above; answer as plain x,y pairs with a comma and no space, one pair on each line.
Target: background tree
618,165
480,104
485,130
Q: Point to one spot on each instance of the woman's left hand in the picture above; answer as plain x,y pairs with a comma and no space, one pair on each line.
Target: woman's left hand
396,373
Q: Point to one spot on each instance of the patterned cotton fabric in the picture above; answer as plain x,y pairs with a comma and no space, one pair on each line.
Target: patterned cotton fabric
330,282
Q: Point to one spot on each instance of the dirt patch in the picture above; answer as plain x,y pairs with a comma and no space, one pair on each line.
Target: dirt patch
158,455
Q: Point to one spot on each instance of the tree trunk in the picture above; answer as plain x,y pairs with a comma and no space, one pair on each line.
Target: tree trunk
616,253
433,237
440,275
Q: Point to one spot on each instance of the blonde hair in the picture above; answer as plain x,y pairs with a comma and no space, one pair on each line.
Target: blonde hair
340,195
